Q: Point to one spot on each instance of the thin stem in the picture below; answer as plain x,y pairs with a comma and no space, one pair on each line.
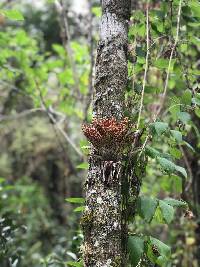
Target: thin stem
167,78
144,145
170,61
146,67
157,39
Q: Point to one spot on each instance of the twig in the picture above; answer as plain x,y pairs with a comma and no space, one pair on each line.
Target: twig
146,66
157,39
170,60
57,124
144,145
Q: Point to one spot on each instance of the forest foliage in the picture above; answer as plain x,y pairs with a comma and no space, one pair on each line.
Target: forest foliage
45,96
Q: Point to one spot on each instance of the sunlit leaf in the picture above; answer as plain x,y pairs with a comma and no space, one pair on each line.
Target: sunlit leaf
177,135
175,203
83,165
75,200
160,127
12,14
135,249
147,207
167,211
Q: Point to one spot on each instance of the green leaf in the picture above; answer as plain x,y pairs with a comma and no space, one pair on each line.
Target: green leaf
175,203
167,165
2,180
162,261
74,264
177,184
163,249
172,184
195,7
160,127
170,167
135,249
141,60
161,63
79,209
197,112
196,101
141,30
189,146
186,97
184,117
147,207
181,170
158,217
177,135
167,211
138,15
164,252
152,152
176,153
12,14
59,49
83,165
78,200
96,11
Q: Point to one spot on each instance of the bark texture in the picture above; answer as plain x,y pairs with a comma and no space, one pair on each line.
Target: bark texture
111,61
102,222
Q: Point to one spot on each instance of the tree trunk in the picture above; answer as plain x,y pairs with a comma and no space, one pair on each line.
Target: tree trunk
105,231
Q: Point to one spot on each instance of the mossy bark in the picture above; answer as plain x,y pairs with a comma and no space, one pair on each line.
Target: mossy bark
102,222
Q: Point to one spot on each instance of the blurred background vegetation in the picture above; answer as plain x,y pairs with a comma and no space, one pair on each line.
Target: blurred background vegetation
46,76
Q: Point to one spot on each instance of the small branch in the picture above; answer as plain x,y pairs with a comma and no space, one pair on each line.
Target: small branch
146,66
157,39
56,124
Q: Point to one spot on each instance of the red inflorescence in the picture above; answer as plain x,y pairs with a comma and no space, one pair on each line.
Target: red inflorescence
106,132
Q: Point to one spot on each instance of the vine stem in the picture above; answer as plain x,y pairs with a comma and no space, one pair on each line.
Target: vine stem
146,67
170,61
167,77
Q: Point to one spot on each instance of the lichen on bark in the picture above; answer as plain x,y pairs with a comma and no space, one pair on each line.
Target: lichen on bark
104,222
